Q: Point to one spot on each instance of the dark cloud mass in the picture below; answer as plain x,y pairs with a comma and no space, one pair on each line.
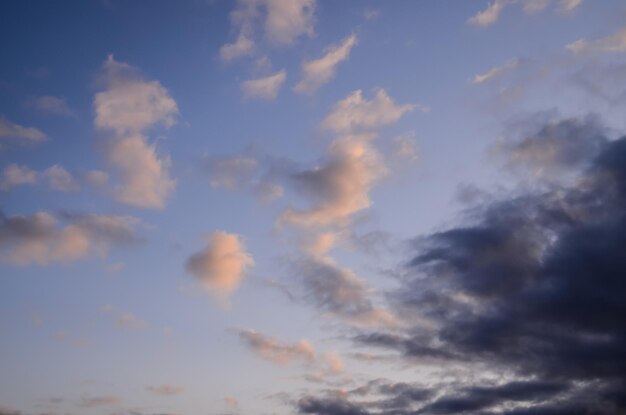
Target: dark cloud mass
532,286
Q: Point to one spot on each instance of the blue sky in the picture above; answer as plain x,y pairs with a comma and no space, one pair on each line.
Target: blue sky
212,207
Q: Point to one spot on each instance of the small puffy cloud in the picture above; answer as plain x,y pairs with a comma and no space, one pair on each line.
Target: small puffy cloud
128,107
288,19
53,106
264,88
496,72
55,177
357,113
276,351
146,180
243,46
490,15
222,264
60,179
165,390
11,130
41,239
280,21
337,188
16,175
613,43
130,104
316,73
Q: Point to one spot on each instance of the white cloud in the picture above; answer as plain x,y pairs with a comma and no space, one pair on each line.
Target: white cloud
242,47
316,73
128,107
496,71
356,113
53,105
264,88
613,43
221,265
338,188
490,15
9,129
281,21
15,175
38,238
146,180
60,179
288,19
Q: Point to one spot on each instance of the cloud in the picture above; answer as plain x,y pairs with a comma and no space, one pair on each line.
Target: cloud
15,175
243,46
264,88
275,351
318,72
338,292
490,15
559,145
568,6
496,72
615,43
165,390
535,6
405,147
127,108
222,264
55,177
53,105
339,187
60,179
231,401
38,238
494,9
260,175
355,113
232,173
527,285
10,130
98,401
280,21
146,180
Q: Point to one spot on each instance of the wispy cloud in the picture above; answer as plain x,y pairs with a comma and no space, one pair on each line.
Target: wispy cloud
318,72
496,71
266,88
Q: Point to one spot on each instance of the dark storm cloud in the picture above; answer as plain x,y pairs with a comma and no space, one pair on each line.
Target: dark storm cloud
532,285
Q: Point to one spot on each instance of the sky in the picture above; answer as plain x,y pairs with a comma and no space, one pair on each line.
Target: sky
312,207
